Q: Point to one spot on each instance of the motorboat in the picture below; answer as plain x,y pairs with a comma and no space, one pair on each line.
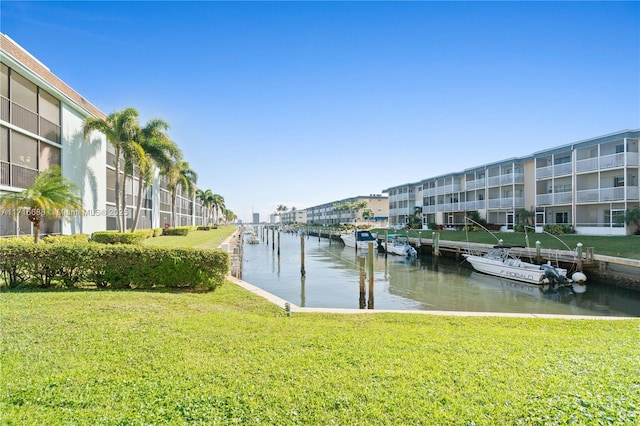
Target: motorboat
360,237
398,244
501,262
253,239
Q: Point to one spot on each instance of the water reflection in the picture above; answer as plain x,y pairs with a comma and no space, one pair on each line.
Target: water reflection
335,277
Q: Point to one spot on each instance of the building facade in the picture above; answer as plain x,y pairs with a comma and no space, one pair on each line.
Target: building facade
374,211
588,185
41,121
293,216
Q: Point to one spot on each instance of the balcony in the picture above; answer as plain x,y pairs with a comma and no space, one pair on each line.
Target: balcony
608,194
28,120
475,184
550,171
472,205
17,176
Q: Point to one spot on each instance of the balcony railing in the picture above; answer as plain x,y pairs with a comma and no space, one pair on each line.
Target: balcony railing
557,170
612,161
544,199
28,120
562,197
17,176
475,184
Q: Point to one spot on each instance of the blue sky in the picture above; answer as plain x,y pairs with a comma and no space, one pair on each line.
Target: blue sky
302,103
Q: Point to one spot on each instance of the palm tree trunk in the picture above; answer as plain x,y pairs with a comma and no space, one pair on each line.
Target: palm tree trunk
118,189
35,219
174,195
138,205
124,201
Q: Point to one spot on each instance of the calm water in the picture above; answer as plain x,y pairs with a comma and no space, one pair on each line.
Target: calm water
332,280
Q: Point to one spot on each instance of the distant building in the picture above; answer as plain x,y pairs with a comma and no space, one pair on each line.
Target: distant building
587,184
294,216
256,218
375,213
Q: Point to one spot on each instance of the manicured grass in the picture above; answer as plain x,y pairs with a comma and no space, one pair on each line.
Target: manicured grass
199,239
230,357
620,246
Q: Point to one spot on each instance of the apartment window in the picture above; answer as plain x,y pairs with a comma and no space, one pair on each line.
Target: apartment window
4,81
4,144
619,148
49,156
23,92
618,181
563,159
24,150
562,217
614,218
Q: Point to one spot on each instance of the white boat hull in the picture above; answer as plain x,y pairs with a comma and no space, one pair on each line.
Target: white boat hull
519,271
401,249
363,240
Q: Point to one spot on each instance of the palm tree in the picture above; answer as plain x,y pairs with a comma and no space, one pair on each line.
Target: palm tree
206,198
49,195
218,205
179,175
357,207
155,149
632,216
229,216
120,129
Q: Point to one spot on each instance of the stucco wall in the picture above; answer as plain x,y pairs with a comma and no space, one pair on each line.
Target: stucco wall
83,162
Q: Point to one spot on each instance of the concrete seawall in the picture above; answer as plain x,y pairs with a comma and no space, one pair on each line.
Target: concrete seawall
617,271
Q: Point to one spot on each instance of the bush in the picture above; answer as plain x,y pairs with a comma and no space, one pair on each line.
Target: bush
204,228
75,238
115,237
180,231
157,232
111,266
558,229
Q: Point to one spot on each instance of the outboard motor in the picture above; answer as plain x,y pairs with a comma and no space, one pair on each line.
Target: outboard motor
552,275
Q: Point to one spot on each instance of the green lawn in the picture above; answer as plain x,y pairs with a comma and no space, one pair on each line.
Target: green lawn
200,239
230,357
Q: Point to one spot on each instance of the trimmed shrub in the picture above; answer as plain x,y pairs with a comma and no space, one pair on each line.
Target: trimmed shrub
115,237
157,232
111,266
75,238
558,229
204,228
180,231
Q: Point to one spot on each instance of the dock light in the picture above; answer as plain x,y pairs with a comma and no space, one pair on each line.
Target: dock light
287,308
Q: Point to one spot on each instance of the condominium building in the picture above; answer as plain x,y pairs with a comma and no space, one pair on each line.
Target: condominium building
293,216
41,120
370,209
587,184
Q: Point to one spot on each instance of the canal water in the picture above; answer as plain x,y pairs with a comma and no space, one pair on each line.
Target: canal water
332,279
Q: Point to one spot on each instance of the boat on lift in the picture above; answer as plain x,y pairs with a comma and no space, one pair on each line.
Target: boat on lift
398,244
501,262
361,237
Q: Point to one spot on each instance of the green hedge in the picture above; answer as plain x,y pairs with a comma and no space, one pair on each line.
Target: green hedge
115,237
180,230
75,238
24,264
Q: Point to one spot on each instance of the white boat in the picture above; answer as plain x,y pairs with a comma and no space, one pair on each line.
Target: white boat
398,244
361,237
253,239
500,262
